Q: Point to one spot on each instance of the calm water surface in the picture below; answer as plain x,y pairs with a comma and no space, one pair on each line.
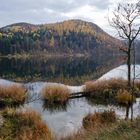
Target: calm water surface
67,118
63,119
68,70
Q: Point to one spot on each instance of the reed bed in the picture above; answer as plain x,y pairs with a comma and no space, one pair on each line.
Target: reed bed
23,125
12,94
120,130
55,93
99,118
102,85
124,97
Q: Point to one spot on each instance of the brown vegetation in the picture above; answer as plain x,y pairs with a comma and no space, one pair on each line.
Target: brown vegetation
23,125
107,91
12,94
120,130
99,118
102,85
124,97
56,93
137,88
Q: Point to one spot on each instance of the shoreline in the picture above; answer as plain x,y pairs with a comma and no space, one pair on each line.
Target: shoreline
53,55
44,55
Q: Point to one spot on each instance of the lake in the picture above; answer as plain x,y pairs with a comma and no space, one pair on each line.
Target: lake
64,119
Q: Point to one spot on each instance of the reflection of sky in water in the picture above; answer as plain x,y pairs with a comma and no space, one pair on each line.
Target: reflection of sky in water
121,72
69,120
64,122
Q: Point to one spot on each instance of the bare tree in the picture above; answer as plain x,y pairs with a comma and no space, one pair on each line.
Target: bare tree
125,21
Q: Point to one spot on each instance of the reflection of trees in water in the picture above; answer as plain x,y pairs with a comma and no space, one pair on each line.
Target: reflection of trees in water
55,107
92,101
59,106
57,69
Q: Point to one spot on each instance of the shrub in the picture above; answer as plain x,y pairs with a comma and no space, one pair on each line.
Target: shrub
56,93
12,94
99,118
23,125
124,97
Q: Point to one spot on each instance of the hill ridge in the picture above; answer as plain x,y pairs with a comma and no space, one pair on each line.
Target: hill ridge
67,36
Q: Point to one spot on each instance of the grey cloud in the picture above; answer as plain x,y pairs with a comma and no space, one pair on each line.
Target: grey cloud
30,16
57,5
41,11
102,4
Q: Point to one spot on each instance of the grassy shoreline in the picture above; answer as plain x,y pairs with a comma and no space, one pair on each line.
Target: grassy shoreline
120,130
21,125
12,95
29,125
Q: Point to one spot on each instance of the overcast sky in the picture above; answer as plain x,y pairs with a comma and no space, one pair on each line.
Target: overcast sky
48,11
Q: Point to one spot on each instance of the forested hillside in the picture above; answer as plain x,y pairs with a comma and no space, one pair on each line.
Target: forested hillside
72,36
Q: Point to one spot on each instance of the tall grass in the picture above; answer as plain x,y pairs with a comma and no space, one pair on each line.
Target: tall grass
12,94
107,91
99,118
102,85
23,125
120,130
55,93
137,88
124,97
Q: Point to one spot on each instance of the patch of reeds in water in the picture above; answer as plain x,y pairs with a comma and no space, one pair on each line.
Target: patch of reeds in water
55,93
13,94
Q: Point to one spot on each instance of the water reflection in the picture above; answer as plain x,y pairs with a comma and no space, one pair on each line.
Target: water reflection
65,70
55,107
126,107
64,119
92,101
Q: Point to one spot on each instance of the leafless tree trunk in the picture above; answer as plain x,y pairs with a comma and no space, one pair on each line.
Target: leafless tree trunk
134,77
125,21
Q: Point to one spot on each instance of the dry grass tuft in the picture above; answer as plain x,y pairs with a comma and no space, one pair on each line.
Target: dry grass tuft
105,91
25,125
137,88
100,86
56,93
120,130
124,97
99,118
12,94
